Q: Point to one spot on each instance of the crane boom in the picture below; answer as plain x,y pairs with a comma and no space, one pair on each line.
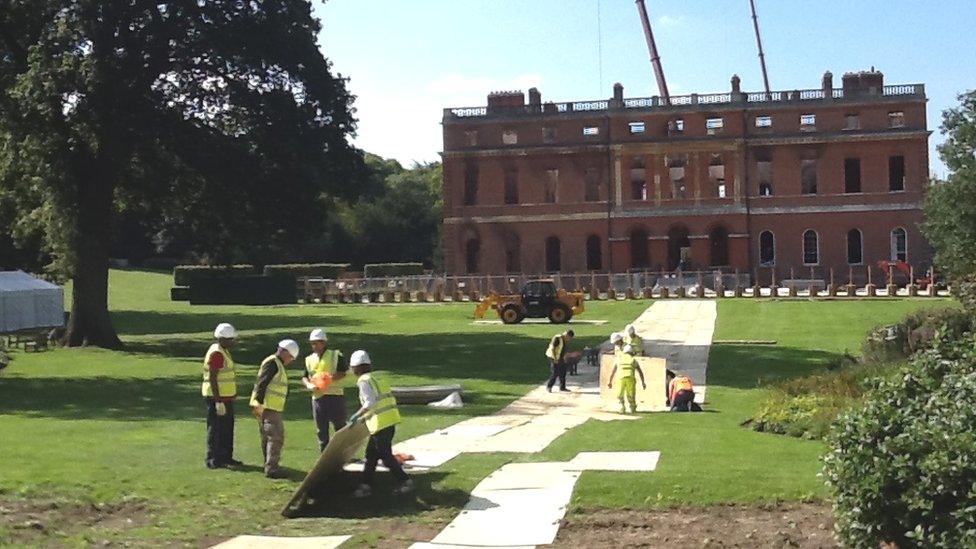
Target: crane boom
762,57
662,85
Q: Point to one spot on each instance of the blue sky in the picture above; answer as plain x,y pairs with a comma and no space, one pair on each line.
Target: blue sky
408,59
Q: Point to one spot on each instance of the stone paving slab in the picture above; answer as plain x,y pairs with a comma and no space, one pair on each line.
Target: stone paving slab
270,542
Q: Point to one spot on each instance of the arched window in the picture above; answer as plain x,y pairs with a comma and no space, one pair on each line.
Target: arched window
767,248
899,245
638,249
594,253
718,240
472,252
855,247
765,189
811,248
553,255
513,255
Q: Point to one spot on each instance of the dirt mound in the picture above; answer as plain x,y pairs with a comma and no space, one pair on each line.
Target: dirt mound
29,522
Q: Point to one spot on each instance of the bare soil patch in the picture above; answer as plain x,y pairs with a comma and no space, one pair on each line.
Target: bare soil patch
31,522
804,525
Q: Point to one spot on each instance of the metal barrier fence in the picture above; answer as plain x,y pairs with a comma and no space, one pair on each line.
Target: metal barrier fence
856,281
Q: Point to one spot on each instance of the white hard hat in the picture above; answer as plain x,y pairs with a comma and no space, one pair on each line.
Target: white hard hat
628,349
318,334
616,337
289,345
225,331
359,358
630,329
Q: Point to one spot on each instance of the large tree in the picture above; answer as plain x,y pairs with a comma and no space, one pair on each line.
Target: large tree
223,116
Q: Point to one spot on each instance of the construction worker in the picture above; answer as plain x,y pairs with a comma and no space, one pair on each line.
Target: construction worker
631,338
219,391
681,393
556,352
328,405
617,343
379,411
627,385
268,404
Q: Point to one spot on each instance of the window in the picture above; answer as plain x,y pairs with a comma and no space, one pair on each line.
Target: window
676,126
808,122
472,251
764,170
591,193
896,173
721,188
676,171
767,249
470,184
553,255
510,137
638,181
513,261
852,122
471,138
637,127
808,176
511,186
855,245
714,126
852,175
764,121
896,119
811,248
594,254
551,186
548,135
638,249
765,189
591,130
899,245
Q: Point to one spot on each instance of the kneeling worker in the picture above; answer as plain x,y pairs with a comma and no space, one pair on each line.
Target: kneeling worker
379,411
268,403
627,365
681,393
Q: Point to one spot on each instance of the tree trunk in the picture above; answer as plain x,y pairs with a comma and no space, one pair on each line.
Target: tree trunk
90,323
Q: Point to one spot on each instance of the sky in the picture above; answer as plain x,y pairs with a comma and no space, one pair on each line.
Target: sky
407,60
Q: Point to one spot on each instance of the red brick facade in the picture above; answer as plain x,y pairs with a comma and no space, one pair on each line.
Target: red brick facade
837,176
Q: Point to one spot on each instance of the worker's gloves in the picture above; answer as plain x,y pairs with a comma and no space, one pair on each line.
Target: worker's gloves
221,409
355,418
308,384
258,410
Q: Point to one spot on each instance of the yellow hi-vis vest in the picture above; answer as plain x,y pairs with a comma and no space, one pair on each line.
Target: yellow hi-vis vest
226,376
555,347
277,392
637,343
384,413
327,363
626,365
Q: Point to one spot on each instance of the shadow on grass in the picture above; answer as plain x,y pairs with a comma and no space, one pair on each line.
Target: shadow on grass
751,366
334,500
135,323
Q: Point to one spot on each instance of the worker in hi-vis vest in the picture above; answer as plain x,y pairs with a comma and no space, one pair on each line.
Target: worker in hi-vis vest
556,352
379,410
626,363
268,404
631,338
219,390
617,343
328,403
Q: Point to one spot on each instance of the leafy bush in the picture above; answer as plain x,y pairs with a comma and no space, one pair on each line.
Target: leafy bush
179,293
915,332
318,270
244,290
902,468
373,270
187,275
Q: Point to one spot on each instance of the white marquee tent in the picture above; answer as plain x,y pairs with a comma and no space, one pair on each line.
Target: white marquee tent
27,302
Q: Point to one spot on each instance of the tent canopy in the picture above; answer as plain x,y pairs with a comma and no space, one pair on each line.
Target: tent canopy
27,303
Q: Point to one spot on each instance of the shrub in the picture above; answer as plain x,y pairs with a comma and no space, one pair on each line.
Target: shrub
244,290
902,468
187,275
915,332
179,293
318,270
373,270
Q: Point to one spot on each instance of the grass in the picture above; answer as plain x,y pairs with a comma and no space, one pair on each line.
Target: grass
126,428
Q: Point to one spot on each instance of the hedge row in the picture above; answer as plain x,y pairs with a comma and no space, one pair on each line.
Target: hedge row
188,275
244,290
374,270
318,270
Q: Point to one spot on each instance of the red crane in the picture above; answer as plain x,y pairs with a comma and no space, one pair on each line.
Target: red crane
662,85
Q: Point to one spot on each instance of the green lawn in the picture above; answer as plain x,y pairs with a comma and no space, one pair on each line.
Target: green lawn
126,429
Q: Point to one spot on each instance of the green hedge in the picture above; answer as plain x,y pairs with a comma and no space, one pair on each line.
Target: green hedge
188,275
317,270
244,290
374,270
179,293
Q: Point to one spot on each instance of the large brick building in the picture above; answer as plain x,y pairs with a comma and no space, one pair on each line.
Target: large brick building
809,180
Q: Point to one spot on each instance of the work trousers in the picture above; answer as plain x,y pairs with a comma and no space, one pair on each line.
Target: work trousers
272,428
557,370
380,448
627,389
220,433
683,401
328,409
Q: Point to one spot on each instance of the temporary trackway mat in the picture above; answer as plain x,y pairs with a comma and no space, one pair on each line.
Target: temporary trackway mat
342,448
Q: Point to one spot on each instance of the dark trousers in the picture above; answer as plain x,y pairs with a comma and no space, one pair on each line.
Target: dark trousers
683,401
557,370
220,434
328,409
380,448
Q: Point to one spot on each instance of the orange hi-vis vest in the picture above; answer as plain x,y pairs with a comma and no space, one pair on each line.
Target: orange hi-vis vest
678,384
